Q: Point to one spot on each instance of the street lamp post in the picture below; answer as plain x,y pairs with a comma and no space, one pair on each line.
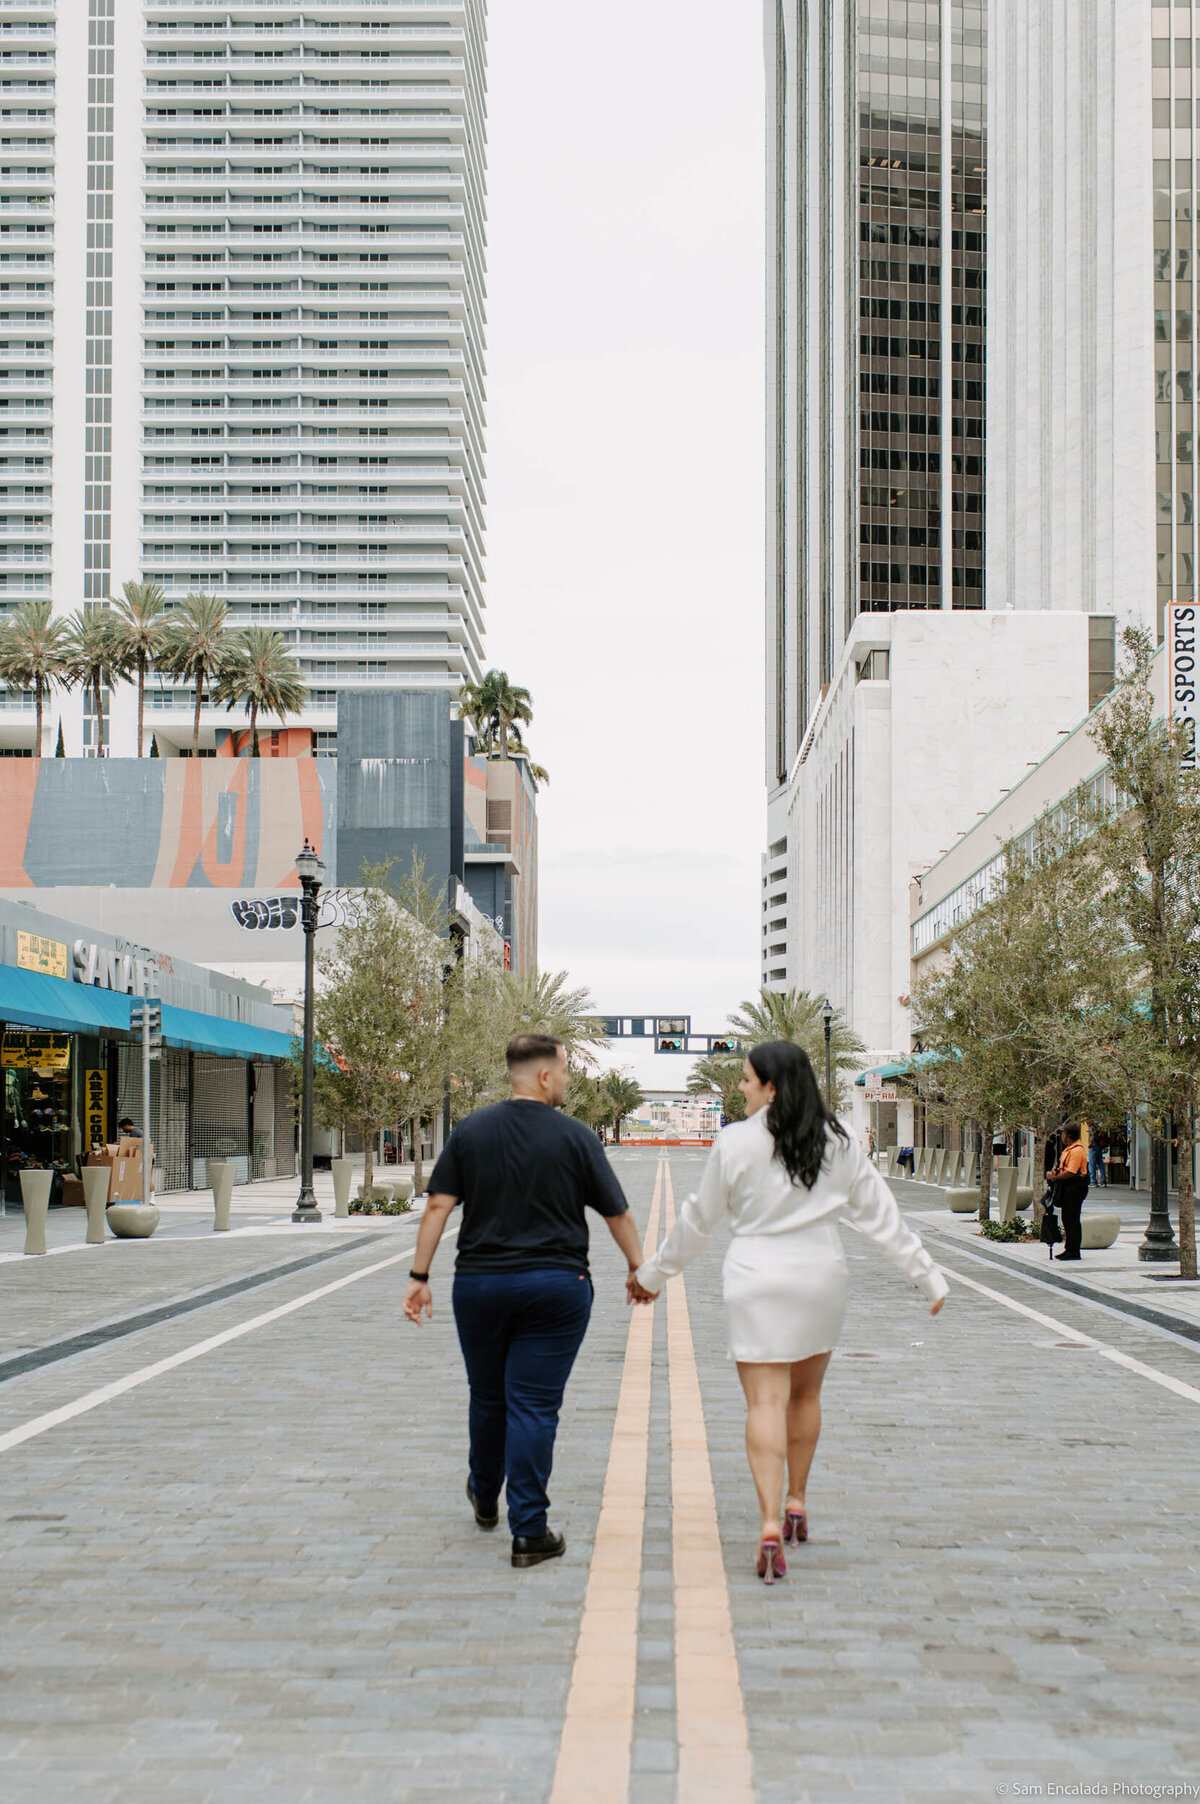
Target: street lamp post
827,1018
310,870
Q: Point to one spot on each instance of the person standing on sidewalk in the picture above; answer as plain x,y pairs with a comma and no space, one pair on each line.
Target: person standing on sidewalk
525,1175
780,1180
1070,1181
1097,1143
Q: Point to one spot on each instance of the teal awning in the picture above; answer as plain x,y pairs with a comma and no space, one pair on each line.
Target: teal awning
916,1063
33,999
226,1039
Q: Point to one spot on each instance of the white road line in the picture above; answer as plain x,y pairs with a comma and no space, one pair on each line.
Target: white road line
93,1399
1084,1340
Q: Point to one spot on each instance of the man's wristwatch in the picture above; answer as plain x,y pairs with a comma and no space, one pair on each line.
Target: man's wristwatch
421,1277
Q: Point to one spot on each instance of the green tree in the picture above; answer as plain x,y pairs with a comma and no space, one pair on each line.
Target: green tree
494,706
717,1073
138,621
620,1094
584,1100
1150,846
1027,1013
262,676
542,1002
95,659
378,1011
795,1015
196,644
35,654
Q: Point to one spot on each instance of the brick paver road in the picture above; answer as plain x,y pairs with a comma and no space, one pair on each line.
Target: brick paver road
253,1575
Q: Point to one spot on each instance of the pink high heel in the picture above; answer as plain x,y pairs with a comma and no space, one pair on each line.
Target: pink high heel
795,1527
771,1563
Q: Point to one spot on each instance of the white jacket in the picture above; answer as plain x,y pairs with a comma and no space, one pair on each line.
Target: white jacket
748,1188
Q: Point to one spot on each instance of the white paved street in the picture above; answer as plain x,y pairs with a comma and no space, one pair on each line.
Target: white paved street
237,1561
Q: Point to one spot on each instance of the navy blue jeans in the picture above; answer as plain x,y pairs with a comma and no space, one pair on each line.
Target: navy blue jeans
519,1333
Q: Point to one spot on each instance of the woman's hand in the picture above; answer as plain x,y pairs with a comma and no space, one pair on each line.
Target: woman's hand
418,1297
637,1293
934,1307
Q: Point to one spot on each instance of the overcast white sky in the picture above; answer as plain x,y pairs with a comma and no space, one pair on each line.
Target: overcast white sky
625,491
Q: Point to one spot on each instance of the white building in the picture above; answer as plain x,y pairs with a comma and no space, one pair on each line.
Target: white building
242,253
901,692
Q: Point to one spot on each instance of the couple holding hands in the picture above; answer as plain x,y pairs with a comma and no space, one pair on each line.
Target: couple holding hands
779,1181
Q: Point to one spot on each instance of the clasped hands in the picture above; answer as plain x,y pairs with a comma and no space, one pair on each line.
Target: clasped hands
637,1293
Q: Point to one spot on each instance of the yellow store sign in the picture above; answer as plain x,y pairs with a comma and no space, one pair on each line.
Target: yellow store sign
95,1107
28,1049
36,953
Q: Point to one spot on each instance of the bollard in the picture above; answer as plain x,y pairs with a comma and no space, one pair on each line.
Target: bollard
97,1180
1006,1192
219,1173
343,1177
35,1200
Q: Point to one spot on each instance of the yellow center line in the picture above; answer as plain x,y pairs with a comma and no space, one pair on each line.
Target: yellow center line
714,1743
596,1750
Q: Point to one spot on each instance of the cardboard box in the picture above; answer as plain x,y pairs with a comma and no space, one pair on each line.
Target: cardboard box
72,1192
125,1162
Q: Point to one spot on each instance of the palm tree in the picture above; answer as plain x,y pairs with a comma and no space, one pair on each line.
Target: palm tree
196,644
34,654
138,625
539,773
541,1003
718,1072
493,706
621,1095
95,655
263,676
796,1015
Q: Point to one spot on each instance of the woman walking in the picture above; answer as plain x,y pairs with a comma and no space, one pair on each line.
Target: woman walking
780,1180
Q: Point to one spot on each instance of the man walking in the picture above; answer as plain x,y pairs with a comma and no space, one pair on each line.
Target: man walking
525,1175
1069,1178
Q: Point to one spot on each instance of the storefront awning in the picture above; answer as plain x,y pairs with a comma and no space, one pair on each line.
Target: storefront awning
887,1072
33,999
226,1039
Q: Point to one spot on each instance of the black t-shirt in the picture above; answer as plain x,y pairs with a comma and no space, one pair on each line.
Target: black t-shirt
524,1174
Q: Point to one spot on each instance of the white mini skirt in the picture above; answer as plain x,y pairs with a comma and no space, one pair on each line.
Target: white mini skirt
785,1294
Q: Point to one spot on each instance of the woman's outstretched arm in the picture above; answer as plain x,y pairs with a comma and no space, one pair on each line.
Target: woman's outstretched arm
698,1216
873,1210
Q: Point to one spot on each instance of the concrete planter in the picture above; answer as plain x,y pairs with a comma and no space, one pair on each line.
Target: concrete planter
1099,1230
35,1200
97,1180
219,1173
962,1202
402,1190
1006,1192
132,1221
343,1177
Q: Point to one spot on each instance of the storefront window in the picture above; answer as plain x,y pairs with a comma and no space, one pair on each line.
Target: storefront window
36,1125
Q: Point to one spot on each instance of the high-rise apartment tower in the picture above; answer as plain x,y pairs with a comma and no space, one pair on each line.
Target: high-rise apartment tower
242,256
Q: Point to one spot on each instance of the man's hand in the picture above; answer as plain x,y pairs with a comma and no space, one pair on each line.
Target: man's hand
637,1293
418,1297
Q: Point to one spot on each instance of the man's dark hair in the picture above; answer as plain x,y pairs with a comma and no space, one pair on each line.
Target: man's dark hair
125,1121
531,1049
1071,1130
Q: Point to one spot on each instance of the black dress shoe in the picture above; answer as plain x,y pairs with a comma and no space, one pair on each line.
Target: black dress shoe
531,1550
483,1518
1072,1256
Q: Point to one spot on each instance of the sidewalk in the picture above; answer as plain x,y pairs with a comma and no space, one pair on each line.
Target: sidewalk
1113,1271
262,1207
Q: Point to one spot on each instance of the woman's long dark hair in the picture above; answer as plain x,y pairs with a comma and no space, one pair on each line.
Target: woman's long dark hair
799,1121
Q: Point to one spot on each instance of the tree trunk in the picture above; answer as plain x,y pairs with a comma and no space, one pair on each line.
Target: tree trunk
37,702
98,702
141,700
368,1134
418,1165
1036,1176
196,715
504,739
1186,1142
253,729
985,1173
